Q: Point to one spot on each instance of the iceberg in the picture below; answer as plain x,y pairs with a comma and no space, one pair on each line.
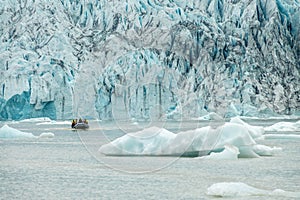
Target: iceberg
156,141
7,132
239,189
148,59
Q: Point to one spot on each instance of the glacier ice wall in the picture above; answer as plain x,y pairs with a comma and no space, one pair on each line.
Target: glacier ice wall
149,58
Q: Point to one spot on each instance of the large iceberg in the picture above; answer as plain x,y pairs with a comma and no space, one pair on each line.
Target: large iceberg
231,139
148,59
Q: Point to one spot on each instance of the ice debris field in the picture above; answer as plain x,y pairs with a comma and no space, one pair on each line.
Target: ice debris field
228,141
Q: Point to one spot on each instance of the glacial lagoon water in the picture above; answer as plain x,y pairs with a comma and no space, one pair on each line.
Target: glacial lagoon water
69,166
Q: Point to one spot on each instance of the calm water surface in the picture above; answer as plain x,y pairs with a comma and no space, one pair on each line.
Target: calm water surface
69,166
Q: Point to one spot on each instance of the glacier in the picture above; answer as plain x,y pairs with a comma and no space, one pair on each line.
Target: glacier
149,59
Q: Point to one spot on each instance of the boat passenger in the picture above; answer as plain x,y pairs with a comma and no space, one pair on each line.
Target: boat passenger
73,123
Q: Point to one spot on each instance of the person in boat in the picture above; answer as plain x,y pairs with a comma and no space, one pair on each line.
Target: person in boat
73,123
85,121
80,120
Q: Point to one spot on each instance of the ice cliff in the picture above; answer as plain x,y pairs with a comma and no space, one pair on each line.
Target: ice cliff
149,58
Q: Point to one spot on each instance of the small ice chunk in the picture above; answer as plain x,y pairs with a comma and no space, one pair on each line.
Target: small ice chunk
229,153
46,135
238,189
264,150
233,189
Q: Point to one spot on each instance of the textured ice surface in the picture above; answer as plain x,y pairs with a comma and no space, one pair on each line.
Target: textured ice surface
238,189
148,59
235,138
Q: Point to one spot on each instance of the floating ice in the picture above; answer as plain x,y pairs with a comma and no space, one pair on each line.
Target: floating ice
230,152
40,120
238,189
201,141
280,136
284,126
8,132
46,135
211,116
264,150
54,123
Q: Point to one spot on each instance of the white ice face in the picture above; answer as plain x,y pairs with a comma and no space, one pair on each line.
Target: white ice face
148,59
